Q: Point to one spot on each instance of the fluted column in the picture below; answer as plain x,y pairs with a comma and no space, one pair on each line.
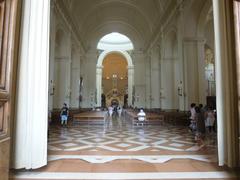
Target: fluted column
99,84
30,150
226,83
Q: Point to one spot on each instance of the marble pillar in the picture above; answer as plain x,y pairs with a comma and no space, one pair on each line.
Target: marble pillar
30,146
226,84
130,85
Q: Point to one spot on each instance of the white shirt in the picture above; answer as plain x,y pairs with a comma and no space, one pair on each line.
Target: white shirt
141,115
193,113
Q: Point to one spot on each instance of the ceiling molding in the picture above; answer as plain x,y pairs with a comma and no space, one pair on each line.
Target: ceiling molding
60,6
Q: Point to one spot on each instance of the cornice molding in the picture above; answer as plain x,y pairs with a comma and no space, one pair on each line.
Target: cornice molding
62,10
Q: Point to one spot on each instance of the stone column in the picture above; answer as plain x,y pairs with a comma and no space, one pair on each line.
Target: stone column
161,57
30,146
226,83
190,48
130,85
182,63
219,83
154,78
75,77
99,85
148,80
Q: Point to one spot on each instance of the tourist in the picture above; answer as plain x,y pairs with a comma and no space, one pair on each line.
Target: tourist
141,115
64,114
110,111
210,119
201,123
192,118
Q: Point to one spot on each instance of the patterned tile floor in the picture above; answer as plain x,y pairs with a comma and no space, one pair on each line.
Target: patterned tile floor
118,150
119,137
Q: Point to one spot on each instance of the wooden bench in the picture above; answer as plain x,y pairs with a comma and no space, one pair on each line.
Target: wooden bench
90,118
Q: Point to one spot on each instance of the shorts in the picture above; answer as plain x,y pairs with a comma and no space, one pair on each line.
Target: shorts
64,117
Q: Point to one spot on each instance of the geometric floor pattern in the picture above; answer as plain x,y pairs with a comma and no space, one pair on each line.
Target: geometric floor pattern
121,137
119,150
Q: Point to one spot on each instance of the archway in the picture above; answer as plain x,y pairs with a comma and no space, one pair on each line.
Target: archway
99,74
114,79
119,44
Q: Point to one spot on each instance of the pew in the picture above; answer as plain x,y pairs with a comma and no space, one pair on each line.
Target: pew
90,118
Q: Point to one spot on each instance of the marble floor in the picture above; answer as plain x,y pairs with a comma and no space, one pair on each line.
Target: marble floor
118,150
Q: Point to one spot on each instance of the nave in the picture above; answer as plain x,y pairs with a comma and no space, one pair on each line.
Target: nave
120,150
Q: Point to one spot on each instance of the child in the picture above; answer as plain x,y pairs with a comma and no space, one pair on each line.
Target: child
209,122
64,114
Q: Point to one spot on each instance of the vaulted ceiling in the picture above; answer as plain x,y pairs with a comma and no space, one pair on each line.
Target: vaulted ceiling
135,18
140,20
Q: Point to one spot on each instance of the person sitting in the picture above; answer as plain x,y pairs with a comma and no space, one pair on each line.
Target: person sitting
64,114
141,116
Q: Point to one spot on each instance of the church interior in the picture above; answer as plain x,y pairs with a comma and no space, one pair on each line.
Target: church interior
122,89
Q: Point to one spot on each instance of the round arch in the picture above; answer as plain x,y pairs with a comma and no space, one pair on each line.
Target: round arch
99,68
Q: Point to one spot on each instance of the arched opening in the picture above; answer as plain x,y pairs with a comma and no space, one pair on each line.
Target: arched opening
99,75
111,80
114,79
